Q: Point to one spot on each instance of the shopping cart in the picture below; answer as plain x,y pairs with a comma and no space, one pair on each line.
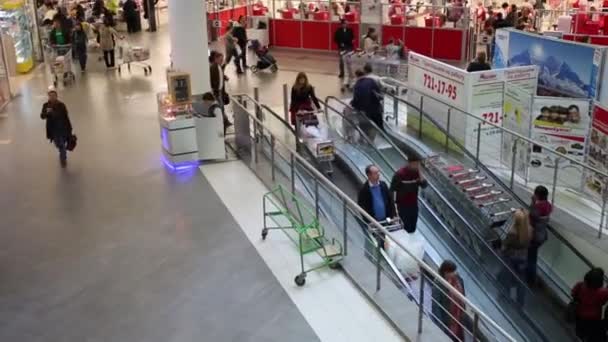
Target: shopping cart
59,60
315,138
137,55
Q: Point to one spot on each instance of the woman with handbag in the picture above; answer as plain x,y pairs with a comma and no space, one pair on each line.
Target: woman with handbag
588,298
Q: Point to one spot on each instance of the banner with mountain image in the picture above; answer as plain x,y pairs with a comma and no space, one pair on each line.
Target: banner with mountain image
501,48
566,69
562,124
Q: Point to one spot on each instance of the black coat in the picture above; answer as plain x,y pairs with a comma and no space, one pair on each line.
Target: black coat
364,199
240,33
476,66
129,9
344,38
303,97
58,123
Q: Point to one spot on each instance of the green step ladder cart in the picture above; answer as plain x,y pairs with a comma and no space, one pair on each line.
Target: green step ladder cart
285,211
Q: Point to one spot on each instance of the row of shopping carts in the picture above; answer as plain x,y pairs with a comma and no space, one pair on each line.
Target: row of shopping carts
384,64
59,60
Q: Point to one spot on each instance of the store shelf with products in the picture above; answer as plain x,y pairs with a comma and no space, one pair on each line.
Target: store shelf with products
16,28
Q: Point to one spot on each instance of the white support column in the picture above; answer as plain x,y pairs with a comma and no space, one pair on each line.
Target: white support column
189,49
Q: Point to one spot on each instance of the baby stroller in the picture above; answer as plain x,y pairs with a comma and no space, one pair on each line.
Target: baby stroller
265,59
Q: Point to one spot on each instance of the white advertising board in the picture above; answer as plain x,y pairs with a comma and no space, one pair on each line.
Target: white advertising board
561,124
517,118
597,154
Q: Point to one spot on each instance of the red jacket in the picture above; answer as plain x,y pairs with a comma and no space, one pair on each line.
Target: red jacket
590,301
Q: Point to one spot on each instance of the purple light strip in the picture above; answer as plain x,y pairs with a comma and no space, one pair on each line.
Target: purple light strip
179,167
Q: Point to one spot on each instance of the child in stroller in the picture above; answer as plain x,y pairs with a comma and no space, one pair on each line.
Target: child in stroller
265,59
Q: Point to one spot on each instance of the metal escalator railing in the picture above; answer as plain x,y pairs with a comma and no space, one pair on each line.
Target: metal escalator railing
566,252
519,143
275,162
532,309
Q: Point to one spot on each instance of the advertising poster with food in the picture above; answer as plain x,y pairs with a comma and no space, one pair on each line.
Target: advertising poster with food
516,118
597,153
561,124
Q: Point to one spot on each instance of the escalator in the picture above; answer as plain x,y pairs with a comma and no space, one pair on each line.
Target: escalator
539,311
560,264
450,236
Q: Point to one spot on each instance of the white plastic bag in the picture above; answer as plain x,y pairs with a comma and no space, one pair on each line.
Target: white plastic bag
404,263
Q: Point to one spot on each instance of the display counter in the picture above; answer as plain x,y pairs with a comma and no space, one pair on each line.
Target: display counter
186,137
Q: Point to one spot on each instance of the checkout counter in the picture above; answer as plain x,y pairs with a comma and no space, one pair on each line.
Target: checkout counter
188,136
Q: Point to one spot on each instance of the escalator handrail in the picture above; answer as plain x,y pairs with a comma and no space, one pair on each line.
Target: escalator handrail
354,206
431,185
495,178
440,195
387,259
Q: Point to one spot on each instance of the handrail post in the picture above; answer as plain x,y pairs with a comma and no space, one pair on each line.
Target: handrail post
293,173
478,144
602,223
396,110
421,300
447,134
272,166
475,326
254,143
285,102
344,227
256,97
317,199
378,267
557,160
513,162
420,116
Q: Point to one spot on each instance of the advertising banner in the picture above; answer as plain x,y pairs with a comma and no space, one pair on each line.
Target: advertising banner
603,91
487,96
517,118
597,153
438,80
501,49
566,69
561,124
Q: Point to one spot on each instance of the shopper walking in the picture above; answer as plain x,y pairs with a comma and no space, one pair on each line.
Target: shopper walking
302,99
79,45
106,37
367,100
375,198
218,83
406,184
447,308
540,213
515,250
589,296
58,125
239,31
131,15
230,44
344,37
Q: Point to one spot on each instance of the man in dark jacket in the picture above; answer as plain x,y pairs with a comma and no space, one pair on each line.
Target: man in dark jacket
479,64
131,15
375,198
239,32
367,100
58,125
343,37
405,184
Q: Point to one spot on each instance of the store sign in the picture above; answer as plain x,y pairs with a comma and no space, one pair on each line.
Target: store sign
437,80
597,154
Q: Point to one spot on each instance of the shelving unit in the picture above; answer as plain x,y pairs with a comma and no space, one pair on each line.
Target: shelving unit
15,23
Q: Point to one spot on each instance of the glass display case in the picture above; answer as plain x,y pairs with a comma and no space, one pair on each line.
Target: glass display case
15,23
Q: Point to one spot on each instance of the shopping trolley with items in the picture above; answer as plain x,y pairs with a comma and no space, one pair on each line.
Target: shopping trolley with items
316,139
59,60
129,54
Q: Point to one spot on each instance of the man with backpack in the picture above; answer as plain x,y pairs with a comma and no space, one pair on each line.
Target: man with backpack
540,211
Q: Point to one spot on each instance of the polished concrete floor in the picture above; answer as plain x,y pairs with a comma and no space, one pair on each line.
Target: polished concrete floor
115,247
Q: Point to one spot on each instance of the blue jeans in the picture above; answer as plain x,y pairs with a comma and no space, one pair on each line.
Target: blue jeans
61,144
510,281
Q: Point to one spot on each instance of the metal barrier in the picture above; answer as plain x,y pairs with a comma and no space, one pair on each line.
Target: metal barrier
520,143
275,163
558,254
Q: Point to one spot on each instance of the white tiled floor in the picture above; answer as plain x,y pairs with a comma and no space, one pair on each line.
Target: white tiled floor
331,304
